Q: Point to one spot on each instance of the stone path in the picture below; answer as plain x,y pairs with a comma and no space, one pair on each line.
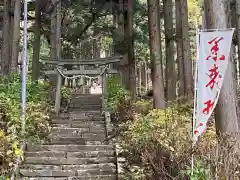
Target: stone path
76,150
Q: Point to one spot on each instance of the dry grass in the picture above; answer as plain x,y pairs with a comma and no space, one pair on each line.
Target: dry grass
159,145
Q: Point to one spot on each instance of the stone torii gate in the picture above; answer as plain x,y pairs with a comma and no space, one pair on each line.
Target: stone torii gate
81,70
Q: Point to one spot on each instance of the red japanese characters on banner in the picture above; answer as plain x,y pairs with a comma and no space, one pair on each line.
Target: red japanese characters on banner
212,59
209,106
214,74
215,49
214,71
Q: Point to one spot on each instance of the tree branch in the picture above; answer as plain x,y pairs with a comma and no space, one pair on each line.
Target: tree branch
95,15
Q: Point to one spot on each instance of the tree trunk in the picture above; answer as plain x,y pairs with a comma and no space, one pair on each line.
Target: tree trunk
15,36
238,33
6,36
125,75
86,49
11,36
217,17
155,53
58,29
143,75
53,39
131,58
234,25
179,48
187,62
96,47
170,63
36,44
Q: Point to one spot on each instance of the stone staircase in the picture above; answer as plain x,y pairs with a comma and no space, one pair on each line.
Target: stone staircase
76,149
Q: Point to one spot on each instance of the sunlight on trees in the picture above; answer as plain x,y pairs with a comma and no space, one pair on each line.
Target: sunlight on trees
150,93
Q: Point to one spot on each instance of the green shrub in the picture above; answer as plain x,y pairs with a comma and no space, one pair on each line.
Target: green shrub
200,171
142,106
65,98
116,94
37,126
160,144
156,144
65,92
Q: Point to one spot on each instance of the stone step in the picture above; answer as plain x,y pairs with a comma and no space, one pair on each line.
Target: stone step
97,113
90,154
80,141
85,113
67,161
68,131
79,95
105,166
79,136
65,173
63,131
61,116
86,104
79,107
86,97
88,107
90,125
83,154
92,128
83,108
45,178
100,177
86,118
57,142
47,173
80,120
46,154
69,148
86,101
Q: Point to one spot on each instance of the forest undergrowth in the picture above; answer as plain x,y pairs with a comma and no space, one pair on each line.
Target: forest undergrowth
156,144
39,112
38,117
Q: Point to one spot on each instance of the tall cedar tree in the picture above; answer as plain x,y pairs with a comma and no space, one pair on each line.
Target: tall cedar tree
155,53
217,17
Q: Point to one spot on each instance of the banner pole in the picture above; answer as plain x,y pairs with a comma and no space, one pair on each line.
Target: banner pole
24,67
195,98
210,30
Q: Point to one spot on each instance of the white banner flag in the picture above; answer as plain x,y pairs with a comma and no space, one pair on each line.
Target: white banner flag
212,61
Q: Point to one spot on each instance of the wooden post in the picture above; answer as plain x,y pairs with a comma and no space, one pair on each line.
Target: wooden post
104,89
140,79
146,77
104,107
58,93
83,80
